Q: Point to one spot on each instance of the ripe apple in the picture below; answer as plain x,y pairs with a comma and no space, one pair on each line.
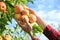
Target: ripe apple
25,12
2,7
17,16
32,18
18,9
22,18
7,37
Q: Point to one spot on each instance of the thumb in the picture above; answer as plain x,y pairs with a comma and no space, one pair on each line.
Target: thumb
26,21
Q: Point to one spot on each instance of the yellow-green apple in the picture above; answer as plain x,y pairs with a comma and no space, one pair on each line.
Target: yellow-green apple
17,16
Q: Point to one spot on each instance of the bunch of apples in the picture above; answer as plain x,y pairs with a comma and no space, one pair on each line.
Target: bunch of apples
21,12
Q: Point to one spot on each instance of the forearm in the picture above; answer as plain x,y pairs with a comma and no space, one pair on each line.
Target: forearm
41,22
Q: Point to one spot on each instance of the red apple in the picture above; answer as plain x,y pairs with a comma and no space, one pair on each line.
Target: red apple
18,8
2,7
24,16
23,20
25,12
32,18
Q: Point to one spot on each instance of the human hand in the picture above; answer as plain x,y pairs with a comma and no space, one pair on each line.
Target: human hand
27,27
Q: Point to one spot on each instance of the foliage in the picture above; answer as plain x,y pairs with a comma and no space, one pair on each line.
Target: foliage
4,19
36,29
10,9
17,33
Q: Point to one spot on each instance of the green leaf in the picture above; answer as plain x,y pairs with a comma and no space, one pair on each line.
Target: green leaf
38,28
30,1
1,13
23,1
2,28
4,20
9,19
9,3
16,38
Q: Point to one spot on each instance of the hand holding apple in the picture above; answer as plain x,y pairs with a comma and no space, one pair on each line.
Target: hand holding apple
27,27
27,20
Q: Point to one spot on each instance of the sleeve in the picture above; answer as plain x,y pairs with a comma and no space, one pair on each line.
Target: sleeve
51,33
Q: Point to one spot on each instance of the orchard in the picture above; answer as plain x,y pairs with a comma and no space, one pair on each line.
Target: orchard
17,10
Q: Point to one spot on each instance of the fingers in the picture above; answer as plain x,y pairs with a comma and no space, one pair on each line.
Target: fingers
22,26
26,28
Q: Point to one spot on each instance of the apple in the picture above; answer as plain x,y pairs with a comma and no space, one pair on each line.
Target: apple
7,37
18,9
32,18
22,19
25,12
24,16
17,16
2,7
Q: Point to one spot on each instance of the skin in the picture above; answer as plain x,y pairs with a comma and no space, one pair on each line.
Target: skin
27,28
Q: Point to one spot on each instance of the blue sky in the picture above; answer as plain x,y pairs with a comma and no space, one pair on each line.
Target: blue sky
48,10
